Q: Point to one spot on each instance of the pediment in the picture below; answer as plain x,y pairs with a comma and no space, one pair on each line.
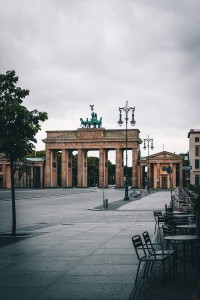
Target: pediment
165,155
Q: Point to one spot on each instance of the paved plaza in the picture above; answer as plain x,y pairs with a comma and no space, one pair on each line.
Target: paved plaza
70,247
47,207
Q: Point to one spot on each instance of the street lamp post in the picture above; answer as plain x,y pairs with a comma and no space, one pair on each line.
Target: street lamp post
148,140
126,109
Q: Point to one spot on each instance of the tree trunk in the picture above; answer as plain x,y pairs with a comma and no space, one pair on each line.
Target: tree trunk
13,199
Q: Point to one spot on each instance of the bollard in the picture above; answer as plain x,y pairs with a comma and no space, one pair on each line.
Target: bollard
105,203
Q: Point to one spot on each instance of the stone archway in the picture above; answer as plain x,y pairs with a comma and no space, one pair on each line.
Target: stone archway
83,140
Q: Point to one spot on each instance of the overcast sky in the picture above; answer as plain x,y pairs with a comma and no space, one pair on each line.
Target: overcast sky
73,53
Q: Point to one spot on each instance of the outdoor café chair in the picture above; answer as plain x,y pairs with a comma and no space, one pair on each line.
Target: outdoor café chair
157,213
161,218
147,259
158,249
167,231
164,219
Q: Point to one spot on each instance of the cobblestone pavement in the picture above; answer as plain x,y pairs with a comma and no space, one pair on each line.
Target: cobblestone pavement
56,206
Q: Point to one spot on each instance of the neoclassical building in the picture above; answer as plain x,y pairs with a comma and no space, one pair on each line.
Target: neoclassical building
34,178
158,176
194,155
82,140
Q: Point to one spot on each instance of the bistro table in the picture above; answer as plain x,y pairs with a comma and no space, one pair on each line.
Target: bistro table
191,228
177,212
184,238
182,219
183,215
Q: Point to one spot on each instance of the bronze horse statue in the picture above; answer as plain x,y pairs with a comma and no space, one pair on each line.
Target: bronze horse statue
93,121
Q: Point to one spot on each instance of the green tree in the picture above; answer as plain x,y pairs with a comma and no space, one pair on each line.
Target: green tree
40,153
93,170
111,173
18,127
74,169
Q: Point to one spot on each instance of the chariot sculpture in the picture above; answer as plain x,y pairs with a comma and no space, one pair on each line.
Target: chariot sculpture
93,122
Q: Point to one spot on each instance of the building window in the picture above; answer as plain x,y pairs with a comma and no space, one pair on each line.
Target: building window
196,139
197,151
196,163
197,179
1,168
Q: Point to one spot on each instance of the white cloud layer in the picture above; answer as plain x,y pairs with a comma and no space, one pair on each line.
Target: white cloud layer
70,54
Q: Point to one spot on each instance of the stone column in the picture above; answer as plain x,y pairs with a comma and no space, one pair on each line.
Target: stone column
119,171
54,168
64,168
4,175
158,176
168,181
69,169
150,175
139,178
134,168
24,179
103,168
48,169
42,176
28,179
82,168
31,177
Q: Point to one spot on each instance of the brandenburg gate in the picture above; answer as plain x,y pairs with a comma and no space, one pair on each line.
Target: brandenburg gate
86,139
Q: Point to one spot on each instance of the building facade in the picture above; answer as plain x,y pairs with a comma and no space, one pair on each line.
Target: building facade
32,178
194,155
158,176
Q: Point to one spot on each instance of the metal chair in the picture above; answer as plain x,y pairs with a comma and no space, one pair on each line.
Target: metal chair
158,249
167,231
157,213
148,259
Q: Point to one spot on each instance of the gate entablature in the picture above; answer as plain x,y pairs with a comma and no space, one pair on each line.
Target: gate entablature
92,138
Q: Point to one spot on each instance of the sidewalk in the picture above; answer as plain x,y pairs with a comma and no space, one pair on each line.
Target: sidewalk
82,260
